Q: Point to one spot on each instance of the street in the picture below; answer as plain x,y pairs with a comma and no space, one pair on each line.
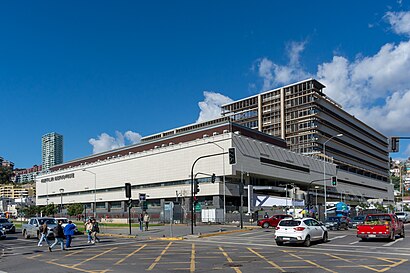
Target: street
245,251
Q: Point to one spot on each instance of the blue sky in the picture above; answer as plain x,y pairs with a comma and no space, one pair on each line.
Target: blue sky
103,73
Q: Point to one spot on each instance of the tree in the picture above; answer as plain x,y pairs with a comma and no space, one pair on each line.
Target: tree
5,174
31,211
396,182
50,209
75,209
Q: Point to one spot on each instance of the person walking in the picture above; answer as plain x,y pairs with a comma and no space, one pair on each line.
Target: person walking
43,229
69,232
94,231
58,235
146,220
88,228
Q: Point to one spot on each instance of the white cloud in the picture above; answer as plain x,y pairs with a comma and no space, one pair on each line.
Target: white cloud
376,89
211,106
274,74
399,21
105,142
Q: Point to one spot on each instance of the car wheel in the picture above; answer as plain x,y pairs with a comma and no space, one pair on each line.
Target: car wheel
279,243
265,225
25,235
325,238
307,242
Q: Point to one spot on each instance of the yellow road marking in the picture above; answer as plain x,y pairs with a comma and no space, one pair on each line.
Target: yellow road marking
192,267
35,256
70,267
229,260
266,260
159,257
394,264
309,262
129,255
93,257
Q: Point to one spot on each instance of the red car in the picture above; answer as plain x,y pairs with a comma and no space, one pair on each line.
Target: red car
272,221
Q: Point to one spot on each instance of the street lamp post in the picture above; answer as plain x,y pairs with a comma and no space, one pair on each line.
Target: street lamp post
223,177
95,192
61,201
324,168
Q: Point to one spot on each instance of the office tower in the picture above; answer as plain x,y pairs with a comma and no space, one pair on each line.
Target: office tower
52,150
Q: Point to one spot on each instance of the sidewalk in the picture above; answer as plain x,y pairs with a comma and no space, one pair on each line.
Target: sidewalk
172,232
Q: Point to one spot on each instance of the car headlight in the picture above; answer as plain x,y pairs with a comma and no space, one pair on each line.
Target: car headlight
4,228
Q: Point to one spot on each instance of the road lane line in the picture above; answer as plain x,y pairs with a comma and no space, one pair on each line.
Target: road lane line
309,262
70,267
394,264
237,270
266,260
337,237
392,243
245,234
354,243
93,257
192,267
159,257
129,255
348,261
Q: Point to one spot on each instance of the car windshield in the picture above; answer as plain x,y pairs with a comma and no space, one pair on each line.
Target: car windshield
48,221
289,223
372,218
333,219
4,221
400,214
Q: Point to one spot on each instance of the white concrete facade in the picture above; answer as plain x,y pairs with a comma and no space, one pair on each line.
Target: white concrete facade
163,171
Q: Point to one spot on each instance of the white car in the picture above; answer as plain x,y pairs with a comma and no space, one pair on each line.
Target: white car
403,216
302,231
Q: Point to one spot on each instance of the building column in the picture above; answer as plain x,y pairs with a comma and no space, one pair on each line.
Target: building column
282,114
217,201
260,113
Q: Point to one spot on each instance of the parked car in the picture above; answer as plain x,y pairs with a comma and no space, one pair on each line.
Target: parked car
382,225
65,222
272,221
336,223
8,225
403,216
31,229
2,232
357,220
300,231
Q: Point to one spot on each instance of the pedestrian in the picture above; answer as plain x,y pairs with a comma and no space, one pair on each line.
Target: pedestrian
94,231
58,235
43,229
266,216
141,220
69,232
146,220
88,228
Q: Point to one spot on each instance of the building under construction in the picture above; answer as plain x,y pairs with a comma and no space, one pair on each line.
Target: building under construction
313,124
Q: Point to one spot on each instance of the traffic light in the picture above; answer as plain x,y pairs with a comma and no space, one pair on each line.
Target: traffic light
232,156
213,178
394,144
196,186
334,180
128,190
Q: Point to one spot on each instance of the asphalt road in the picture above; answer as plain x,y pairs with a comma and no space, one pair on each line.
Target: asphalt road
248,251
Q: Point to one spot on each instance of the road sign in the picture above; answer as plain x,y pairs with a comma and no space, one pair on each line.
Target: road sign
198,207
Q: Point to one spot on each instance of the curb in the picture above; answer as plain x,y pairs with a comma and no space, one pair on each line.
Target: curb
224,232
167,238
117,235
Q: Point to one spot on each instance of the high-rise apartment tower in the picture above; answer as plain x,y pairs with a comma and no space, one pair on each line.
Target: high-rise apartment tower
52,150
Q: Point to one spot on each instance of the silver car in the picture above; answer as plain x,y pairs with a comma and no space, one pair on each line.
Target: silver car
403,216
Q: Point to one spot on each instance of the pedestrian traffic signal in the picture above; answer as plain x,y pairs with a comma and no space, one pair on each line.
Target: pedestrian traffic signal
130,203
196,186
232,156
334,180
128,190
213,178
